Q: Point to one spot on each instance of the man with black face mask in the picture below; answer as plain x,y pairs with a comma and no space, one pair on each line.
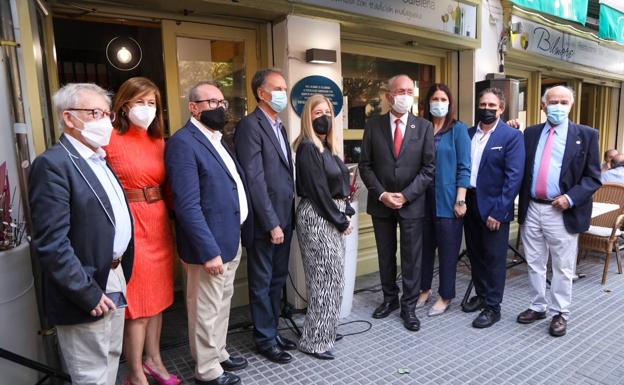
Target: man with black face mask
497,170
213,214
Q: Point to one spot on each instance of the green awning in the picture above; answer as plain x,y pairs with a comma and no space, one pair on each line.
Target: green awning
611,24
574,10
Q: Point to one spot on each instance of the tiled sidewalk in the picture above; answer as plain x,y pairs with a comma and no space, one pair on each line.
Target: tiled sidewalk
447,350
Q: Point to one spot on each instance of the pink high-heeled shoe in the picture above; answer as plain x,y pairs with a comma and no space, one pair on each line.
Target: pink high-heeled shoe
172,380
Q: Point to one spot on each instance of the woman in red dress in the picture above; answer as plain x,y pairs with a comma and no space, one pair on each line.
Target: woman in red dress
136,154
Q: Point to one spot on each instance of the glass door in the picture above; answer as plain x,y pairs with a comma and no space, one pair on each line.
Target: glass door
198,52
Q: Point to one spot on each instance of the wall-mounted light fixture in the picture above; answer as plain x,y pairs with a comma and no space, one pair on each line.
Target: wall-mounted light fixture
123,53
321,56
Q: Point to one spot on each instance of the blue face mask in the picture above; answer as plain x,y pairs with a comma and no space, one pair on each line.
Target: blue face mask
557,113
279,101
438,109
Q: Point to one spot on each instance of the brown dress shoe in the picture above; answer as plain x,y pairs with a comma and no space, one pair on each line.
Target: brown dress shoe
529,316
558,326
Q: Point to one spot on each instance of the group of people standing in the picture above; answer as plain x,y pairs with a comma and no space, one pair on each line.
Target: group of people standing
428,175
102,196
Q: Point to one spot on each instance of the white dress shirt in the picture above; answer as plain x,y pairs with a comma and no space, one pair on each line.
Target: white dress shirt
479,140
402,124
214,137
114,192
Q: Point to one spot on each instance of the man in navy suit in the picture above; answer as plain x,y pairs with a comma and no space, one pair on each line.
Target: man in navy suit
497,167
211,205
264,152
82,235
562,173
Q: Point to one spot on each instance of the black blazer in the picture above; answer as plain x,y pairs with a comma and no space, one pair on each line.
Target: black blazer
72,234
410,174
580,174
205,196
268,172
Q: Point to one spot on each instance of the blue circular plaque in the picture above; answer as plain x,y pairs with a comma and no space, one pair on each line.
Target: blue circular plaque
312,85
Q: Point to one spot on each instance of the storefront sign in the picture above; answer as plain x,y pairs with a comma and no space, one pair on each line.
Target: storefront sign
575,10
556,44
312,85
449,16
611,24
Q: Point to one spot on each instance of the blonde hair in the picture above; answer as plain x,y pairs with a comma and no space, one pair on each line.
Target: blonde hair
307,131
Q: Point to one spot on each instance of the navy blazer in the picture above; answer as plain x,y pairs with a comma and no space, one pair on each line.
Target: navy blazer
580,174
500,172
410,173
268,171
205,199
72,235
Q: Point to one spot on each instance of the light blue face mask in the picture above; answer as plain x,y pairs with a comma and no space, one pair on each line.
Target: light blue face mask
438,109
557,113
279,101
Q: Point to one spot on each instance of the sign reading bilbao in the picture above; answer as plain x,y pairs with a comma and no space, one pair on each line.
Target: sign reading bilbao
544,40
451,16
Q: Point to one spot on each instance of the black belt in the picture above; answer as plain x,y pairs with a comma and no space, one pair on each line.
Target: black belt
542,201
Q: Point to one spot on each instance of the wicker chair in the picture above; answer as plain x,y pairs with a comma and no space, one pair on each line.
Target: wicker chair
605,229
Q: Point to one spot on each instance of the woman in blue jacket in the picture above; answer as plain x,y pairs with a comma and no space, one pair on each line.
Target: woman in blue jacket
445,196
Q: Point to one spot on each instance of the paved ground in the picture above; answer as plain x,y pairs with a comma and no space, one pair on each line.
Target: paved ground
447,350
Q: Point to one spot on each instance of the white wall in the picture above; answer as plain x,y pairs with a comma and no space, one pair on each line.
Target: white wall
486,57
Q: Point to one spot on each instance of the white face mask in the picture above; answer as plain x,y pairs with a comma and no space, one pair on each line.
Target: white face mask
403,103
142,116
96,132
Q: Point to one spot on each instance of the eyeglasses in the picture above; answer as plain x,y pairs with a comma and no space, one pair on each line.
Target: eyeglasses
215,103
95,113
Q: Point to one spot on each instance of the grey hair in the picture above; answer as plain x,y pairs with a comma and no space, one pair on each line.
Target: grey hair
570,90
395,77
193,94
68,96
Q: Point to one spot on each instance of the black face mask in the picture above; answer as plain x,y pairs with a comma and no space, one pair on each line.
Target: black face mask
486,115
322,124
214,119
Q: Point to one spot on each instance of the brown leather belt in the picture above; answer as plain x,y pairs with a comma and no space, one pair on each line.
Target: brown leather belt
145,194
116,263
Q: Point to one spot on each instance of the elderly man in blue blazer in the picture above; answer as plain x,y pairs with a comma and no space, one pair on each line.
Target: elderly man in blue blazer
82,235
496,174
212,213
562,173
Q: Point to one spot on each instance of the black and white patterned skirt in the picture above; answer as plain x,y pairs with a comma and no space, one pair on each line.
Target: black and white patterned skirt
322,250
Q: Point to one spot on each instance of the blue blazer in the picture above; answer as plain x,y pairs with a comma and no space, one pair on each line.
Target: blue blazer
205,198
268,171
72,234
500,172
452,168
580,174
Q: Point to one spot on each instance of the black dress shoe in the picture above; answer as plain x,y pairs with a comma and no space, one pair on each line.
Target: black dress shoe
224,379
386,308
486,318
410,321
322,356
558,326
234,363
338,337
276,354
475,303
529,316
285,343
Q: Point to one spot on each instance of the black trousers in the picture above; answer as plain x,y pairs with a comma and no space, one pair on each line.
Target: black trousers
267,271
411,257
487,251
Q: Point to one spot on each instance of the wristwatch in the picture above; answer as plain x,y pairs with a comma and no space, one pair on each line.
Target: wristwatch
460,203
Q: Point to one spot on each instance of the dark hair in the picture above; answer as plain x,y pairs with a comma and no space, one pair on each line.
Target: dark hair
129,90
497,92
449,120
260,78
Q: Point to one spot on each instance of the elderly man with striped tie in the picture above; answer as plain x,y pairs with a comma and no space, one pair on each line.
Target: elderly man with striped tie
562,173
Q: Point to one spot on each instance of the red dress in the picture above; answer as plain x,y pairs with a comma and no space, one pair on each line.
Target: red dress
139,161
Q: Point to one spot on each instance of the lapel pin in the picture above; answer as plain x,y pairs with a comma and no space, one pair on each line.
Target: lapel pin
578,142
412,126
